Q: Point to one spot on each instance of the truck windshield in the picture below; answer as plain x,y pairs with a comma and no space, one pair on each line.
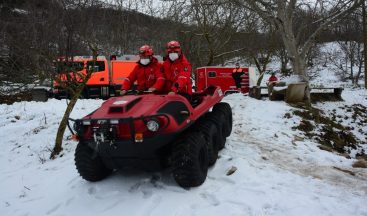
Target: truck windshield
96,66
67,67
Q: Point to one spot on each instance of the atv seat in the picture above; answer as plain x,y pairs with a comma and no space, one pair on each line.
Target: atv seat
198,97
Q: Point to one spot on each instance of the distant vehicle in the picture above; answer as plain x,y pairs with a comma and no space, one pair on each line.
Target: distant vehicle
106,79
222,77
108,75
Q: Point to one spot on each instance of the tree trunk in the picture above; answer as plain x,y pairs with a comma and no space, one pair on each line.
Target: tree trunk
351,59
364,42
61,130
358,74
298,59
284,62
79,89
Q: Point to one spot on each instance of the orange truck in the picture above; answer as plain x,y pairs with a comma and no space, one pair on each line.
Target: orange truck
107,74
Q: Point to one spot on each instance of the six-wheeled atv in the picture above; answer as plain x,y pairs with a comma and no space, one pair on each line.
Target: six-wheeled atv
152,132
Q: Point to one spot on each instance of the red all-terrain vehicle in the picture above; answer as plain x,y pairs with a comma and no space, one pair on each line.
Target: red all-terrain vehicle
153,132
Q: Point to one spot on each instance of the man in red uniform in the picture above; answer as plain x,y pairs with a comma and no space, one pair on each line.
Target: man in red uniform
273,78
237,76
177,70
147,73
272,81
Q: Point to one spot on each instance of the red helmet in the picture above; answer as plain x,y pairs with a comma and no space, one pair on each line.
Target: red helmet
173,46
145,51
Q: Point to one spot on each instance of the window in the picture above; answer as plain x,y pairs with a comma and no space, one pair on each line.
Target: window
65,67
212,74
98,66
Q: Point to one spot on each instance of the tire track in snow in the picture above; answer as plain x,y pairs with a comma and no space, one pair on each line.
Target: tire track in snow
252,117
282,158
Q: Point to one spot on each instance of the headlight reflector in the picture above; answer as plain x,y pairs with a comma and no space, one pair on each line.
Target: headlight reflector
86,122
114,121
153,125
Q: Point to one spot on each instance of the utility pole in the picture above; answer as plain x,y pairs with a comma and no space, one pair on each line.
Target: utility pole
364,42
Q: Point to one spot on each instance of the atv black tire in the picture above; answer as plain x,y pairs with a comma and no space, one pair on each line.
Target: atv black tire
209,130
190,160
219,120
90,165
226,109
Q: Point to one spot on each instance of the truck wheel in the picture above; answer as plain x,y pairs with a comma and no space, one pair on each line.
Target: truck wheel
219,120
226,109
89,165
190,160
209,130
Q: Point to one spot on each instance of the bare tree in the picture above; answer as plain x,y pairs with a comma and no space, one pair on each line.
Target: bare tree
350,44
74,85
73,80
282,54
298,39
213,26
265,50
351,58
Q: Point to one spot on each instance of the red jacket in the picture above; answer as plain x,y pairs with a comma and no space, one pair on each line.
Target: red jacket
147,76
273,78
178,75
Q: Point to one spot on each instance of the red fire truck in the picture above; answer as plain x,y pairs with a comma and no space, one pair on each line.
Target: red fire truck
222,77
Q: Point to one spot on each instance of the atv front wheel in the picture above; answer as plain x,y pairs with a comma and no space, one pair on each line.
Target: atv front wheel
89,164
190,160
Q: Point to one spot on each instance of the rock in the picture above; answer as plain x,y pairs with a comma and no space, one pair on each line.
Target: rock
361,163
297,138
325,148
231,170
346,155
345,171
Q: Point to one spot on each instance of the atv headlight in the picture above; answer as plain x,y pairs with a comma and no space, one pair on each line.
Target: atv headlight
114,121
86,122
153,125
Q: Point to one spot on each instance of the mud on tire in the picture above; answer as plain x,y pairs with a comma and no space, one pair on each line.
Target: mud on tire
89,165
190,160
226,110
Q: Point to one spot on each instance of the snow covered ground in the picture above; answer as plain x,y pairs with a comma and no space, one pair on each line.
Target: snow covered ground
277,172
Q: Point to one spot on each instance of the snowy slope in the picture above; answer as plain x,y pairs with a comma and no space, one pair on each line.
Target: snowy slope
277,173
